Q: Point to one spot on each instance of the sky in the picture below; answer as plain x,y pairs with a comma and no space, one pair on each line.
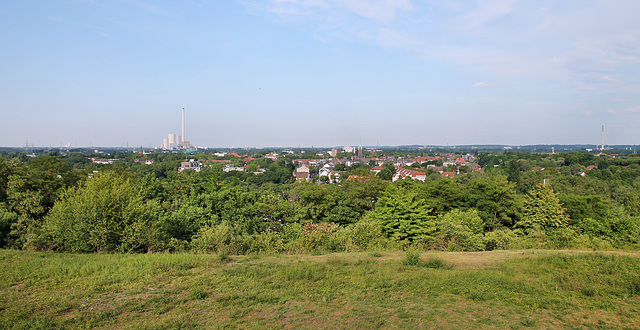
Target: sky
287,73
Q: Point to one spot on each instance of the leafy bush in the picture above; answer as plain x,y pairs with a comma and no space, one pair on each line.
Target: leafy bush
221,239
267,242
436,263
317,237
223,258
105,214
502,239
542,209
7,218
364,235
411,258
404,216
198,294
460,231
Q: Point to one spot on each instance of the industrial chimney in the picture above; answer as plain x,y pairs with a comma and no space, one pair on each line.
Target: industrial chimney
602,138
183,139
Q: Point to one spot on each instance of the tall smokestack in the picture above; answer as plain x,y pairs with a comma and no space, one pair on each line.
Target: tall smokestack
602,138
182,126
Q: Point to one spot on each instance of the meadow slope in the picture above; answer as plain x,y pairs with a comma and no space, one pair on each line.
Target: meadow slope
501,289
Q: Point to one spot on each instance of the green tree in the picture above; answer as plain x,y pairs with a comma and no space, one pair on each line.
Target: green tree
513,170
542,210
495,199
581,207
403,215
460,230
105,214
340,167
32,189
385,174
7,219
444,195
5,171
252,168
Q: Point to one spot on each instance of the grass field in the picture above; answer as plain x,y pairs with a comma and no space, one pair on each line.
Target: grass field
500,289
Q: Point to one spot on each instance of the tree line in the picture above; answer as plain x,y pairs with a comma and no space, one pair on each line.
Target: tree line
64,203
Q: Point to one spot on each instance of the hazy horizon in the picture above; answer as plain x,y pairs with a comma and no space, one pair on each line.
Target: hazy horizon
283,73
456,146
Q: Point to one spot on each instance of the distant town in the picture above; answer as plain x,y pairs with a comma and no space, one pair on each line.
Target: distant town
328,165
325,165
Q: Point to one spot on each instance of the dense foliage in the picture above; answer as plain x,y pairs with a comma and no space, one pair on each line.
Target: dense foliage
63,202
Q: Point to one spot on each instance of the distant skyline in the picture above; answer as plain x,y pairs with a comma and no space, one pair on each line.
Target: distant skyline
277,73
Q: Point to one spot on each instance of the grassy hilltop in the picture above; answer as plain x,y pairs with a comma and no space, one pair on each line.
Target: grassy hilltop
517,289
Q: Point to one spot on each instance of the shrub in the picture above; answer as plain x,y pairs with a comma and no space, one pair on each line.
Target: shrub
106,214
502,239
223,258
291,234
403,215
220,239
436,263
267,242
634,286
317,237
411,258
561,238
365,235
198,294
460,231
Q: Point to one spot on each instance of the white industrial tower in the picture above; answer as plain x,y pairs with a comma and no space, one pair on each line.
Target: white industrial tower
183,139
602,138
174,141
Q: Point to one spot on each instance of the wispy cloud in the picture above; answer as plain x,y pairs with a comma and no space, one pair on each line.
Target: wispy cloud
627,111
483,85
633,110
150,8
384,11
511,38
597,64
484,12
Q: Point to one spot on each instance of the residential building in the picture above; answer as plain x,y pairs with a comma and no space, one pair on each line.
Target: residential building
402,173
190,164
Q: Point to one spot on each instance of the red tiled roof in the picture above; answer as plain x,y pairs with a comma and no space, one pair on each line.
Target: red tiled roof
403,172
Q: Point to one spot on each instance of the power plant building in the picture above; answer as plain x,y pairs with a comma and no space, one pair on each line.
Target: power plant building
175,142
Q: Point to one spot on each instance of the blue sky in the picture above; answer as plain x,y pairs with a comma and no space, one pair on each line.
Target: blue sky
319,72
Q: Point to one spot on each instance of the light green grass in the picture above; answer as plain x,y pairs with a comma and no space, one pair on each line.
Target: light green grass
503,289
